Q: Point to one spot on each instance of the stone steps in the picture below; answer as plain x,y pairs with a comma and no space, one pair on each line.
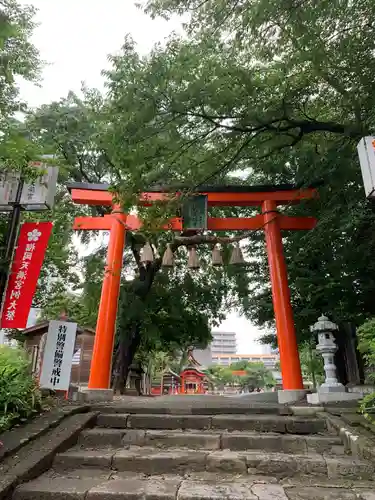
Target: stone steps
188,453
259,423
211,440
206,407
153,461
91,484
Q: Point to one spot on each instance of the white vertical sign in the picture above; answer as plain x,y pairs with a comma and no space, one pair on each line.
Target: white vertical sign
366,153
58,356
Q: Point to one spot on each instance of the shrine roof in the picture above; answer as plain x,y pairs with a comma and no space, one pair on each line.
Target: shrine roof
201,189
168,371
192,368
43,325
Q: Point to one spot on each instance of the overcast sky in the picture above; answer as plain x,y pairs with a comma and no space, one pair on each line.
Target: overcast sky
74,37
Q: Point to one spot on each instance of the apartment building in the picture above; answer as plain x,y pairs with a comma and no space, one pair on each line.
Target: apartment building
223,343
269,360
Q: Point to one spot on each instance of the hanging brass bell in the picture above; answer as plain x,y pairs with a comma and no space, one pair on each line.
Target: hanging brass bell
236,259
147,255
216,257
168,257
193,261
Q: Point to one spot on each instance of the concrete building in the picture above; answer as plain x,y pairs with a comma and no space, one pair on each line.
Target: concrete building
269,360
223,343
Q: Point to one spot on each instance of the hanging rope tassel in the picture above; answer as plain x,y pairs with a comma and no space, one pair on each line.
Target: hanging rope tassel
216,257
168,257
147,254
236,259
193,261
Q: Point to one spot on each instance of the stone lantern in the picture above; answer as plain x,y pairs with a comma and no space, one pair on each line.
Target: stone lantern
327,348
331,390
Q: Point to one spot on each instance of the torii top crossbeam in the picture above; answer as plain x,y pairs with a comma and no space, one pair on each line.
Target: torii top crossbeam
267,197
234,196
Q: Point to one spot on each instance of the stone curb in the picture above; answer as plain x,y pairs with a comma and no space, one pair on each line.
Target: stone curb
354,439
15,438
37,455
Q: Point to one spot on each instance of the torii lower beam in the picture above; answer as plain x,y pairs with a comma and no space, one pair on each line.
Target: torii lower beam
270,220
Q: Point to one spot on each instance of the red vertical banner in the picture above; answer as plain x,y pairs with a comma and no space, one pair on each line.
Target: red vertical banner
27,263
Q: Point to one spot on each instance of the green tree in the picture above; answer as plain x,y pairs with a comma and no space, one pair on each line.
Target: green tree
221,376
70,130
311,364
283,92
366,345
18,56
81,131
20,398
279,91
19,59
240,365
174,315
257,375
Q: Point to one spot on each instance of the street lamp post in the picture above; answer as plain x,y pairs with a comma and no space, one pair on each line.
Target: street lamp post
12,231
17,195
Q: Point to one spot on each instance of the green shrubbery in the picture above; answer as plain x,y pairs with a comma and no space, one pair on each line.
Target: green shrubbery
19,394
366,345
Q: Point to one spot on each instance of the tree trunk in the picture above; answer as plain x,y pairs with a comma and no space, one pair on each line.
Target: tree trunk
126,350
128,345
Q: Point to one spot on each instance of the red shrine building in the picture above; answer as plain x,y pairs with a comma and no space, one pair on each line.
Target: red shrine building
191,380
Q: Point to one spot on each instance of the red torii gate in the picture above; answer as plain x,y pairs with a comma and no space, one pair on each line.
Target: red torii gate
270,220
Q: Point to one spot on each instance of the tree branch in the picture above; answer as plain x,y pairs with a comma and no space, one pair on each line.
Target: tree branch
275,125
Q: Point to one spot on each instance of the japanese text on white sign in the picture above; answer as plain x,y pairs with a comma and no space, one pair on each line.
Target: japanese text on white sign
58,356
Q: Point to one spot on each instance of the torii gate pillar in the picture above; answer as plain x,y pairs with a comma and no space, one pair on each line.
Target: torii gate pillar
286,334
100,372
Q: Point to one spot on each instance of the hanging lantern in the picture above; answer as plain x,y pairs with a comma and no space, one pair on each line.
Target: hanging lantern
236,259
147,254
168,257
217,258
193,261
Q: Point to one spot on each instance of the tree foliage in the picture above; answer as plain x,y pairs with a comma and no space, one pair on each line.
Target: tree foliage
18,56
19,395
169,311
278,92
256,376
366,345
311,364
283,92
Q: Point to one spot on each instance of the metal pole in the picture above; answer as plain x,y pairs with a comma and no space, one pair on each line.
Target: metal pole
13,226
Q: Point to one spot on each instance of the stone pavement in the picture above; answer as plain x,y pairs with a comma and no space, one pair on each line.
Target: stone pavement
204,448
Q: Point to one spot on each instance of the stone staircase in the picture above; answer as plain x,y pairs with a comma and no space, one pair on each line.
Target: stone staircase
148,452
